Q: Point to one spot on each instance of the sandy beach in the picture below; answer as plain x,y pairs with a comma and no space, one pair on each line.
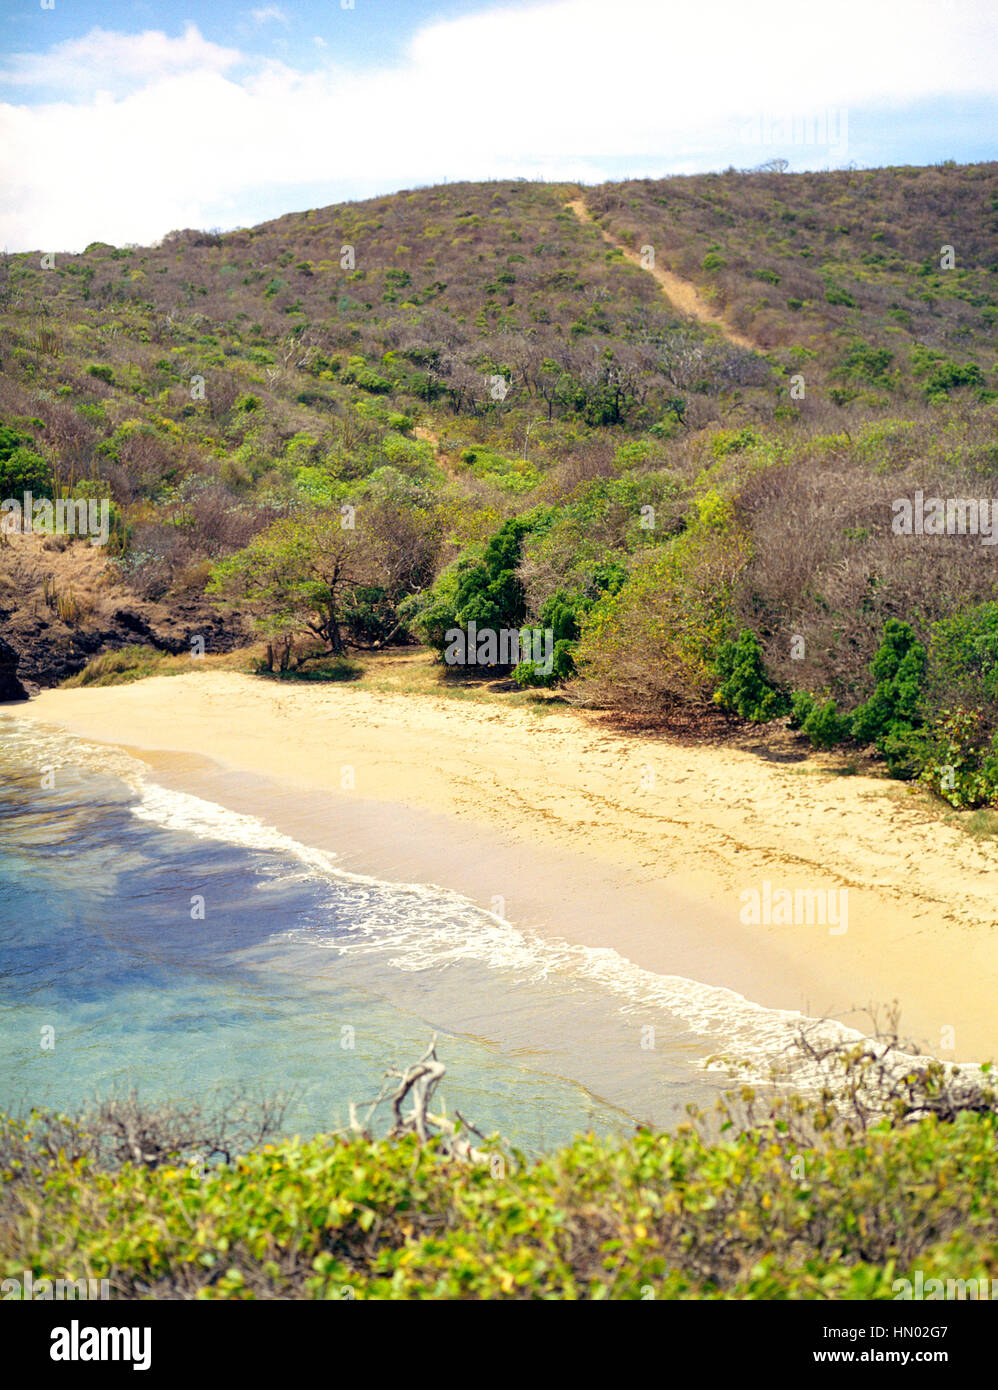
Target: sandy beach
639,843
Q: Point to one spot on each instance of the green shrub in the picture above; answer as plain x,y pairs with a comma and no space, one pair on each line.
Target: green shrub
835,294
933,713
963,661
413,457
653,642
801,705
961,760
894,711
21,468
745,687
360,374
866,363
632,454
842,395
102,373
312,397
904,751
486,592
732,441
561,613
811,1198
948,376
885,445
820,722
824,726
531,673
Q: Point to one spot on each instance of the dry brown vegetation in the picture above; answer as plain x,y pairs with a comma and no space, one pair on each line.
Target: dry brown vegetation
324,384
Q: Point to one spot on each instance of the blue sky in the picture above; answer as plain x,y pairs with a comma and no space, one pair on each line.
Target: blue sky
370,33
120,121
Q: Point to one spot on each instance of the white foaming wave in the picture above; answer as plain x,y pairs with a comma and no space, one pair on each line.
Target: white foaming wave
27,740
206,820
418,927
422,926
713,1011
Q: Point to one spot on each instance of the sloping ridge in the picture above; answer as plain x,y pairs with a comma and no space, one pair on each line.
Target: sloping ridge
680,293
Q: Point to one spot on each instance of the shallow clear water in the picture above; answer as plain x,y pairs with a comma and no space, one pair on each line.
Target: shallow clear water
297,975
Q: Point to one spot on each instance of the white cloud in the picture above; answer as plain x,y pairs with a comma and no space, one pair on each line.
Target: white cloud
106,60
551,91
270,12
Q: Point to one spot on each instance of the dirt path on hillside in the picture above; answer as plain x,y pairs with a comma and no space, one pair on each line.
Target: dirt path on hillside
443,458
680,293
427,435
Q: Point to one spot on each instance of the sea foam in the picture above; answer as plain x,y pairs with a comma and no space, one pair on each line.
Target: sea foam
424,927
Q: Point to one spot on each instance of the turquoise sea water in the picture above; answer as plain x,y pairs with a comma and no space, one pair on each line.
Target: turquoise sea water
175,947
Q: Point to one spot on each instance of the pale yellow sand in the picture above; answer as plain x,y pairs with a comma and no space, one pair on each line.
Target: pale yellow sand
616,820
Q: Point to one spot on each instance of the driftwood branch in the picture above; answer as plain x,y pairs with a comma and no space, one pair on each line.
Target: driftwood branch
417,1084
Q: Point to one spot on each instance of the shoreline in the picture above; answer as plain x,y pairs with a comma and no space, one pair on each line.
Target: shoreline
600,839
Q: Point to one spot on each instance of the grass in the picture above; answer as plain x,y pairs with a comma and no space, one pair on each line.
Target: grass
126,665
829,766
137,663
337,668
979,825
416,671
399,671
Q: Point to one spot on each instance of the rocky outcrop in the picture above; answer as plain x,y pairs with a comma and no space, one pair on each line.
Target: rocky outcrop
10,687
62,604
46,650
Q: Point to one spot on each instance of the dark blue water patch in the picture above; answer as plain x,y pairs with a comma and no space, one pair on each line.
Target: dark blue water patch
101,955
111,904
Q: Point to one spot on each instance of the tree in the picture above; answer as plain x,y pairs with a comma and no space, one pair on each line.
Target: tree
488,593
300,575
402,522
745,686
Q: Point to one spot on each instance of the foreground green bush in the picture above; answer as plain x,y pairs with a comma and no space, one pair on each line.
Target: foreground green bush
22,469
961,761
820,722
810,1199
894,710
485,591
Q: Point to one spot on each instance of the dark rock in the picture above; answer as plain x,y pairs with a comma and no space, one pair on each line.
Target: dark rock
44,650
132,622
10,687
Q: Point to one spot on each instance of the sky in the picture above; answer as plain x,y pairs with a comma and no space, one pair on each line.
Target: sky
125,119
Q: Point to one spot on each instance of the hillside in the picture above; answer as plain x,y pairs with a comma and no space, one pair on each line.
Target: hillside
817,261
366,424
